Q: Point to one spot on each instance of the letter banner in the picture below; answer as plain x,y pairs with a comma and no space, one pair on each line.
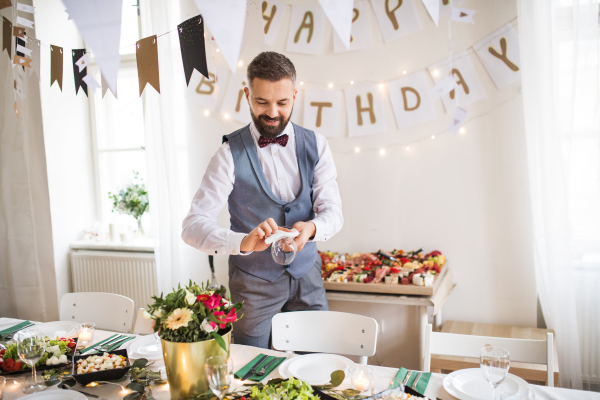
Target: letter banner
205,92
361,29
323,111
397,18
499,53
364,110
272,12
467,82
340,14
307,30
411,100
235,105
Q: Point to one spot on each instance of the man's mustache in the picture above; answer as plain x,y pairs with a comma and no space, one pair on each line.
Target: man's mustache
267,118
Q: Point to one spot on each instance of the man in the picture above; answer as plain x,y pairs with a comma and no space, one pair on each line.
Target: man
272,174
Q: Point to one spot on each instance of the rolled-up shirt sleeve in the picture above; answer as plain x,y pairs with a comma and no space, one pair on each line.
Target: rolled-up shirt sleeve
327,202
200,229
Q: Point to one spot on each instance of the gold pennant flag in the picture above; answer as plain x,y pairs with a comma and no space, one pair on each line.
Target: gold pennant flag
7,36
5,3
25,62
56,65
19,31
146,55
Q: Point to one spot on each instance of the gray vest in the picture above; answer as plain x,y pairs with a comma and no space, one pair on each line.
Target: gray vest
252,202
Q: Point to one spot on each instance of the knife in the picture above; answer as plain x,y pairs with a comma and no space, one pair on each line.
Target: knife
253,369
85,393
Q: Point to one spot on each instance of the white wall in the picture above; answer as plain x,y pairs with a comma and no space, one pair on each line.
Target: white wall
465,195
67,135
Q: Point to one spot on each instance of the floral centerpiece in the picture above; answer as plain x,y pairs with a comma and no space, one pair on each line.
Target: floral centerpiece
132,200
194,323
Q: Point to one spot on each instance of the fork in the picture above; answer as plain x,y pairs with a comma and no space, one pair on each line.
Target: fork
264,369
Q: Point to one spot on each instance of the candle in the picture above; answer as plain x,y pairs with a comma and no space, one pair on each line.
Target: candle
361,383
85,336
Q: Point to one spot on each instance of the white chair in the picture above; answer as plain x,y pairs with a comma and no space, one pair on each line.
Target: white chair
111,312
142,325
325,332
520,350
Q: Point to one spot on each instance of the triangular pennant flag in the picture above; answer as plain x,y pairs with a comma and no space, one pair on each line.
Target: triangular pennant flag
56,65
83,62
462,15
457,120
5,3
225,19
191,41
99,22
79,82
433,8
25,8
6,36
34,46
105,88
146,55
91,82
25,62
24,22
340,13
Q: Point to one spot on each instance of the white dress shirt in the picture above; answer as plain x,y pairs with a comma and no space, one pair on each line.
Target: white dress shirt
280,167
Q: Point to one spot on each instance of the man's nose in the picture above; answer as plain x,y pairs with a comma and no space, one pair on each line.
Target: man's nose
273,112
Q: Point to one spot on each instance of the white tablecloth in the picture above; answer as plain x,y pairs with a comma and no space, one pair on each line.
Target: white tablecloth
243,354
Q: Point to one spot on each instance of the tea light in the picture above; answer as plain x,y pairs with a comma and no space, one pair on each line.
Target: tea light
361,384
85,332
361,377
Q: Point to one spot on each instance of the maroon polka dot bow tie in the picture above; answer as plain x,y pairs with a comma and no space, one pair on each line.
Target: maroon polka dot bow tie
280,140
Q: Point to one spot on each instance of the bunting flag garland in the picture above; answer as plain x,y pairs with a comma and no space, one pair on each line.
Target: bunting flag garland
340,15
307,30
361,29
25,8
83,62
23,50
20,32
457,120
34,46
25,62
16,109
500,54
91,82
272,12
235,105
24,22
462,15
433,8
105,88
5,3
56,65
364,110
410,100
191,41
6,36
204,92
99,22
79,82
445,86
322,111
397,18
146,55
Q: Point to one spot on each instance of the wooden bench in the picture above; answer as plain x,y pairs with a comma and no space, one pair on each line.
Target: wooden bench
533,373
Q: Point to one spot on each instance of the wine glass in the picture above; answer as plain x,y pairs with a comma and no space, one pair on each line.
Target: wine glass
219,373
153,347
30,348
494,364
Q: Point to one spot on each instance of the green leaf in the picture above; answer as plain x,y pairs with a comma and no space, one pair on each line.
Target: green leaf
337,377
351,392
133,396
137,387
220,340
139,363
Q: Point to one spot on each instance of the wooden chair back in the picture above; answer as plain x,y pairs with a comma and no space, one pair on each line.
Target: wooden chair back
109,311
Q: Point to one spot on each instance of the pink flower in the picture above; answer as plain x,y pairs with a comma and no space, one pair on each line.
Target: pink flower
212,302
230,317
202,297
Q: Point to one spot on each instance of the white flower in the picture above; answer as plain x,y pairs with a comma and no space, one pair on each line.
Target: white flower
207,327
226,303
158,313
147,315
190,298
178,318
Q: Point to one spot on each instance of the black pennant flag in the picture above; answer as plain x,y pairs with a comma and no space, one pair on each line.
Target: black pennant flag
193,52
79,82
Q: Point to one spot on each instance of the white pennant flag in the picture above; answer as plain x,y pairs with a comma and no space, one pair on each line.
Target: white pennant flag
91,82
339,13
225,19
24,22
34,45
445,86
105,88
462,15
99,22
83,62
25,8
24,50
433,8
457,120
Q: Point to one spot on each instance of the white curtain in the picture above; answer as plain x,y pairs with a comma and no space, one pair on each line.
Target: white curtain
560,67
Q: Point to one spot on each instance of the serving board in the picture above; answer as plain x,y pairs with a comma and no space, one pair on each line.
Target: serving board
387,288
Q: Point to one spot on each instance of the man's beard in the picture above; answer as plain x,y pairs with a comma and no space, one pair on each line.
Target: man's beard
268,131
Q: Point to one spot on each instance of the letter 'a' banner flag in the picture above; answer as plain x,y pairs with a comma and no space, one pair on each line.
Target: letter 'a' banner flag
193,52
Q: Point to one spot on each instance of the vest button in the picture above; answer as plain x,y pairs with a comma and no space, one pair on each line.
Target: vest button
287,209
286,266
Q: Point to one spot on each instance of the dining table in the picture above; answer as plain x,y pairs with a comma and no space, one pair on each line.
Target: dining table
242,355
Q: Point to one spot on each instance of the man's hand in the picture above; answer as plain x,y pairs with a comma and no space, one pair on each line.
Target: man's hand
307,230
255,240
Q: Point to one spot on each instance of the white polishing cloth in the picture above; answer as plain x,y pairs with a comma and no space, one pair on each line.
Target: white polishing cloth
280,235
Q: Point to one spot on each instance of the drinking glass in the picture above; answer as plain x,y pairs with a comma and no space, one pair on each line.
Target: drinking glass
284,250
219,373
153,347
494,364
30,348
2,386
85,333
361,377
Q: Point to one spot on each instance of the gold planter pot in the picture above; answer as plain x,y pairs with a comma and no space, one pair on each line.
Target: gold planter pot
185,365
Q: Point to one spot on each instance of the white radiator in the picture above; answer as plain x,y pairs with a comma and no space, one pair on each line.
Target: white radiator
131,274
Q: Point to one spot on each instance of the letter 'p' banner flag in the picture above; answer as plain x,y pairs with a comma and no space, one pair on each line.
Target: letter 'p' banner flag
193,53
79,82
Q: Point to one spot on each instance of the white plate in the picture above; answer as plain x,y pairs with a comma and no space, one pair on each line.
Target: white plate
315,369
133,348
55,394
54,329
470,384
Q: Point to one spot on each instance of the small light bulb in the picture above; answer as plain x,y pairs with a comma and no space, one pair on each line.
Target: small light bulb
301,83
404,72
433,136
381,86
436,72
357,150
240,63
226,116
218,50
352,82
330,85
206,112
407,148
462,130
382,152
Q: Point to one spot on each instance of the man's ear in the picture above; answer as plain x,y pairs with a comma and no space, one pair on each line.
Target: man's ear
247,92
295,93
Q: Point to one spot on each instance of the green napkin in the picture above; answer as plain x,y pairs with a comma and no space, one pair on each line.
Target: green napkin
98,344
14,328
415,380
120,342
246,368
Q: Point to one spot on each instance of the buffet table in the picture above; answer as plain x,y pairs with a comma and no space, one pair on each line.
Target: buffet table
243,354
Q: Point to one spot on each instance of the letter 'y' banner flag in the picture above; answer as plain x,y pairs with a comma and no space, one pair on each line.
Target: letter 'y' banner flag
191,41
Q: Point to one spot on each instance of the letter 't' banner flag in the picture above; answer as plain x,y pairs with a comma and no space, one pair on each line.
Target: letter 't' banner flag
193,50
146,55
79,82
56,65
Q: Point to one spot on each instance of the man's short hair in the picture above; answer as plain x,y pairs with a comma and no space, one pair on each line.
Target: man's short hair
272,67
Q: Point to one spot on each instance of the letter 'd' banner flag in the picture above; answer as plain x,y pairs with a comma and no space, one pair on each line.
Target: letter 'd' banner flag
79,82
193,52
56,65
146,55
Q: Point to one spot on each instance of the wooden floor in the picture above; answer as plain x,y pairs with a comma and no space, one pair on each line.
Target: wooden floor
532,373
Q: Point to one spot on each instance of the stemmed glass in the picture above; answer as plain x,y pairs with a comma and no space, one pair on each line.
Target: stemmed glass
30,348
153,347
219,373
494,364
